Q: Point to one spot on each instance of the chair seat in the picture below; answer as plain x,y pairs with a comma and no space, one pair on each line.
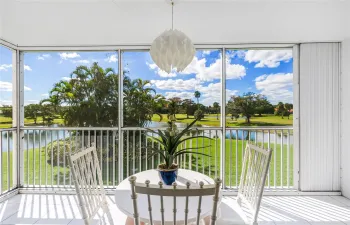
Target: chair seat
230,213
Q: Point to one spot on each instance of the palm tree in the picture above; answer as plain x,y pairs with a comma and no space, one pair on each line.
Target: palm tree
197,95
216,107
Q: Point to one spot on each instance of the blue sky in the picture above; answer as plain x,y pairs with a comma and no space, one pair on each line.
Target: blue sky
268,72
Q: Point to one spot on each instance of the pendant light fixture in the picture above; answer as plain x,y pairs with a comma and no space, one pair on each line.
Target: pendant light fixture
172,50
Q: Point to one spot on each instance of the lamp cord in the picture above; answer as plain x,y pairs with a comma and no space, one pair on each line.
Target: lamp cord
172,15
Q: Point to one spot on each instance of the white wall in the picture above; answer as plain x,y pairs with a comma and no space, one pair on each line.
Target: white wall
107,23
345,139
320,117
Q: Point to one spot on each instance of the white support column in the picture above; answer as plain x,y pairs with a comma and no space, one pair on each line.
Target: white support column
296,116
18,117
120,117
223,118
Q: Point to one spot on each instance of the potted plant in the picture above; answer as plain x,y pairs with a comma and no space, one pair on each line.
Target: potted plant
170,142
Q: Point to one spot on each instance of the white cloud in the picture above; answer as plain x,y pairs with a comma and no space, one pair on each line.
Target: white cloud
182,95
209,94
7,86
213,71
31,102
26,67
268,58
112,58
5,102
66,78
5,67
71,55
177,85
161,73
206,52
82,61
44,56
212,93
276,87
45,95
235,53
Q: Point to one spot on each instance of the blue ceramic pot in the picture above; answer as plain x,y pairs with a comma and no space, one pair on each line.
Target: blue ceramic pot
168,176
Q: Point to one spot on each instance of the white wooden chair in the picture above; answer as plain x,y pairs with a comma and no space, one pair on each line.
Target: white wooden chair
254,172
88,183
175,192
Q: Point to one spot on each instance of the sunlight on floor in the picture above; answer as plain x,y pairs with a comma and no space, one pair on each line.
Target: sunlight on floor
62,209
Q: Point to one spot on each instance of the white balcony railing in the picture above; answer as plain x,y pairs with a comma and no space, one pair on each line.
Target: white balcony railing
45,152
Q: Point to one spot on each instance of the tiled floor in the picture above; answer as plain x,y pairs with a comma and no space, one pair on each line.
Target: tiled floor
62,209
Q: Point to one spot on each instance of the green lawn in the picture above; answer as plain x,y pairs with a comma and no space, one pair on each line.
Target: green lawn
211,120
6,122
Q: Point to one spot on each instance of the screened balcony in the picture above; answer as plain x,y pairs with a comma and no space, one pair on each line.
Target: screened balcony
58,57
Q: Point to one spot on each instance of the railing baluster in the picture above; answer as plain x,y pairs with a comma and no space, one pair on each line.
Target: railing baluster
202,155
209,148
275,160
281,158
237,158
28,171
58,158
216,152
230,161
46,158
288,159
39,158
1,166
8,162
114,137
64,158
140,154
33,158
127,153
268,147
133,152
107,155
146,156
197,159
101,152
70,152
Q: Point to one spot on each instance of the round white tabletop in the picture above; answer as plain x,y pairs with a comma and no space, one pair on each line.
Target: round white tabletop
124,203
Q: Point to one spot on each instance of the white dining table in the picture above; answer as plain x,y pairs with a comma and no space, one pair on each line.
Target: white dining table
124,202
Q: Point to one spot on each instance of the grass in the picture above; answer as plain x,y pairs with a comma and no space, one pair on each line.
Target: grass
39,171
6,122
211,120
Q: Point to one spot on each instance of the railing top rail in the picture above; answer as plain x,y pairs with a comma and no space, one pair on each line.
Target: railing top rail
8,129
153,128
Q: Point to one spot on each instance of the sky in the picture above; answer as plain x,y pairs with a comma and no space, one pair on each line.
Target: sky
267,72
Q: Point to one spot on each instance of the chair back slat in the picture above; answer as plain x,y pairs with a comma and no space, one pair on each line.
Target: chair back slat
188,184
175,191
253,178
161,203
149,204
87,176
174,208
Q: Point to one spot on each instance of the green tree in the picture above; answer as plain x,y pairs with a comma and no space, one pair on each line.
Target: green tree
245,105
216,107
90,98
32,111
263,106
6,111
189,107
174,106
197,95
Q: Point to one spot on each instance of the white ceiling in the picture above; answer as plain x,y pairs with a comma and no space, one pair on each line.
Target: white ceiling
178,1
138,22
